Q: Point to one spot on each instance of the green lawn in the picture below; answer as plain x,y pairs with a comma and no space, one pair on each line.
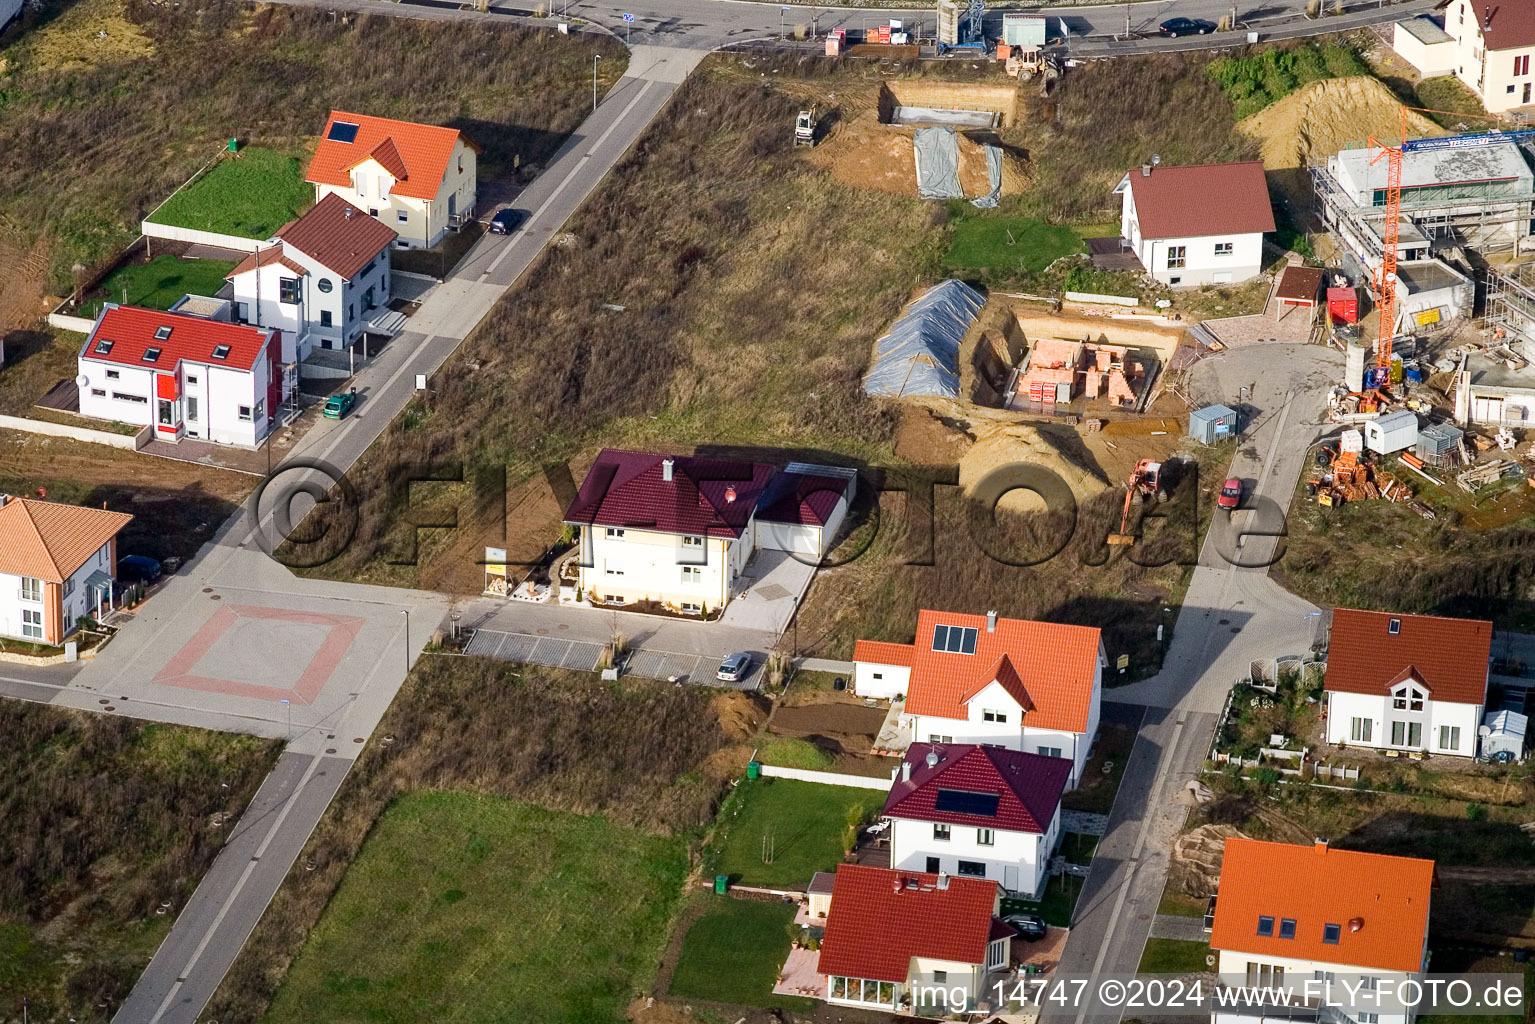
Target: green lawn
1174,956
779,832
1010,243
794,753
251,195
733,953
1058,904
1179,904
159,283
477,908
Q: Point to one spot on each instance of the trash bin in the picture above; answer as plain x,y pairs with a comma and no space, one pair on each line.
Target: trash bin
753,769
234,145
721,883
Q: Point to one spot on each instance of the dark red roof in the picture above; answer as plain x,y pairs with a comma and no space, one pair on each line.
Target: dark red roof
881,918
801,500
131,331
338,236
1202,199
1512,23
1450,656
713,497
1028,787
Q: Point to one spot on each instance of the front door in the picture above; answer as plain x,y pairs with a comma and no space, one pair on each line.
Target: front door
1010,877
1526,92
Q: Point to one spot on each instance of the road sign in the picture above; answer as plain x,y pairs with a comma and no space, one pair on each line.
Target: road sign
1124,662
628,17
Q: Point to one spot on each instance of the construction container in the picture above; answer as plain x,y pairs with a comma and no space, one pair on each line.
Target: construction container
1393,432
836,41
1396,369
1343,305
1023,30
1213,423
1437,439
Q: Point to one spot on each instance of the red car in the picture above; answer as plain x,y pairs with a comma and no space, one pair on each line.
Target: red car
1230,496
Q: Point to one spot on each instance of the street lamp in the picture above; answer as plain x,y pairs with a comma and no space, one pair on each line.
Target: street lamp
406,612
595,58
781,11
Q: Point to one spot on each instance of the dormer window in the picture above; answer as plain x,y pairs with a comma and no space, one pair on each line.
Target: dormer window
162,332
1409,698
955,639
151,355
1287,928
1394,627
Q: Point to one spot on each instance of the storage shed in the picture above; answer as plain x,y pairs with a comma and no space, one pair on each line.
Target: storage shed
1392,432
1298,289
1503,735
1212,423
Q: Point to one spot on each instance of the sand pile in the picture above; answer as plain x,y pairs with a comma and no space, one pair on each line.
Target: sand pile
865,153
1316,121
1035,445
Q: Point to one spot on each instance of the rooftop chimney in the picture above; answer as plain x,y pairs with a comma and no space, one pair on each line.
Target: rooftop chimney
730,495
1319,844
905,771
1145,170
1486,18
666,470
943,880
991,621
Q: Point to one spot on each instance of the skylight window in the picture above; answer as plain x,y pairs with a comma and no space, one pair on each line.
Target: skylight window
1265,926
1330,933
162,332
1394,627
955,639
151,355
1287,928
103,346
342,131
221,352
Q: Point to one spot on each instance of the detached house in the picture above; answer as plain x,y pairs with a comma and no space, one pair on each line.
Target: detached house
1491,50
188,375
1406,682
1201,224
417,179
679,530
895,937
977,812
321,278
1297,916
57,565
1013,683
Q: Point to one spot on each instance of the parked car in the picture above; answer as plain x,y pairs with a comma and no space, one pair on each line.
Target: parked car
734,668
1030,927
1176,27
138,569
339,406
1230,496
506,221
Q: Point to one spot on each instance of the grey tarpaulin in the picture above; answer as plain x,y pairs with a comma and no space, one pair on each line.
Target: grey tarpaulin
920,355
993,177
936,151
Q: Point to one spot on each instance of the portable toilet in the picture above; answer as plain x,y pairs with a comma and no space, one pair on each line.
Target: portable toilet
1502,735
1213,423
1392,432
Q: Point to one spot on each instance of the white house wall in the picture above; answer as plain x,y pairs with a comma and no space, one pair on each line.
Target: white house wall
645,565
420,223
344,301
1490,75
111,392
886,682
1200,263
1233,965
1018,861
1343,708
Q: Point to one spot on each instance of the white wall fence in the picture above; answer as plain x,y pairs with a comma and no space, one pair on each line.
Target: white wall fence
65,322
129,442
172,233
1103,300
826,778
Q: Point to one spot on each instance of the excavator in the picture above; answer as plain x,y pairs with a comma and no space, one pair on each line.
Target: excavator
1146,484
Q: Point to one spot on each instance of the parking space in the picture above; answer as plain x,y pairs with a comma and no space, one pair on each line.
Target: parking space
582,656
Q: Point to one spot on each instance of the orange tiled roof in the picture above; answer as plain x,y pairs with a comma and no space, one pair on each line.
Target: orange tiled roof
1053,665
416,154
49,540
877,652
1378,902
879,919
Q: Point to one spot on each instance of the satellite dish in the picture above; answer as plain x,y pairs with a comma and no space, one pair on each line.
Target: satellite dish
82,380
1485,730
1156,159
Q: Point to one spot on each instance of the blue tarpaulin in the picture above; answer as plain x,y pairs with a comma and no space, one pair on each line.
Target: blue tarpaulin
920,355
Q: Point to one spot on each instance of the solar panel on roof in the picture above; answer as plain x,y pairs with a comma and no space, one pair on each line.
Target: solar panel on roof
960,801
342,131
954,639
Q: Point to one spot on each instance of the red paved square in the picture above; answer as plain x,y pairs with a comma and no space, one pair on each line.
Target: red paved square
340,630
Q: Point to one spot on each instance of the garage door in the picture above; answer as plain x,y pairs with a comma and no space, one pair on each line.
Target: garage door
802,540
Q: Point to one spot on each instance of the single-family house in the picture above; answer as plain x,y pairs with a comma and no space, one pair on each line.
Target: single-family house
977,812
57,566
1198,224
1024,685
187,375
320,278
1422,42
679,530
1302,916
909,940
1493,46
417,179
1414,683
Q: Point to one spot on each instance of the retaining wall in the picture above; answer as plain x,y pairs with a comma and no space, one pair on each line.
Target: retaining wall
65,322
826,778
128,442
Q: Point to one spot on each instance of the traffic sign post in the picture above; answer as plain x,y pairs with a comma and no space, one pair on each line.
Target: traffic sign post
781,12
628,21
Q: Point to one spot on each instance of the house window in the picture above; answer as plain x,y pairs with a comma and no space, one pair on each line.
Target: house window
31,589
245,412
325,285
878,675
1410,699
1510,89
1264,974
372,211
985,837
933,867
403,217
1360,729
939,977
1367,1018
1368,983
941,832
935,738
614,572
972,868
994,716
614,533
1394,627
98,392
689,541
955,639
191,401
220,351
1331,933
1265,926
1177,255
261,409
691,606
692,574
113,375
997,954
103,346
167,413
1175,279
1522,65
191,379
69,587
287,290
325,318
1449,737
32,624
135,399
1223,248
1287,928
1406,734
1050,751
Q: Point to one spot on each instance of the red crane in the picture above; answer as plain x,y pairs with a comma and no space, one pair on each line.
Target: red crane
1385,274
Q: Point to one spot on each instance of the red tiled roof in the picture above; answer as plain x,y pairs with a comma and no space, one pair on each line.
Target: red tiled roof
338,236
713,497
801,500
881,918
49,540
193,338
1450,656
266,256
1202,199
1028,787
877,652
416,154
1314,886
1512,24
1055,665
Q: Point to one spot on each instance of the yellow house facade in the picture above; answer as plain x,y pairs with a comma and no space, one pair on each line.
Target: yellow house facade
1493,50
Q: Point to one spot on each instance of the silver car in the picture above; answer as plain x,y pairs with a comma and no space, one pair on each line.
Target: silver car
734,668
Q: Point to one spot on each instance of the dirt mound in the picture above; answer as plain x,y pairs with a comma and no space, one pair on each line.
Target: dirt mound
738,714
1314,122
1196,864
865,153
1038,445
